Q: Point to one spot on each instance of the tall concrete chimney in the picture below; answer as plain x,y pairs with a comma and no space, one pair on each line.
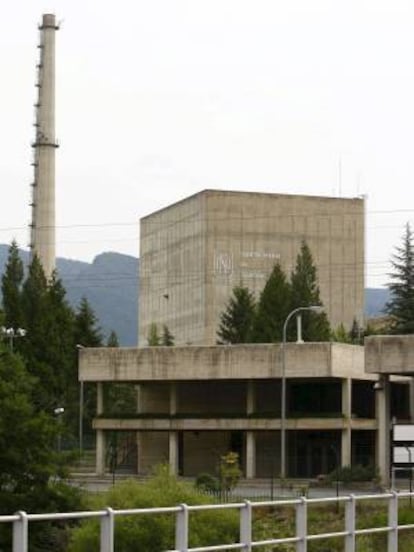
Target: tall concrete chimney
42,239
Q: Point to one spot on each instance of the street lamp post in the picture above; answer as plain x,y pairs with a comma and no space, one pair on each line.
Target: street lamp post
81,400
11,334
313,308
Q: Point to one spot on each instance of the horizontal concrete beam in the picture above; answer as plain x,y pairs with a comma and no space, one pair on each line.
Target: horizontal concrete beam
234,362
234,424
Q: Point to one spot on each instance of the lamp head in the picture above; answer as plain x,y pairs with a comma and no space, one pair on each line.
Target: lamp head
317,308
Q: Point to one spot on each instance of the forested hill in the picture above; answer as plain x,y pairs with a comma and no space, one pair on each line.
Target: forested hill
110,283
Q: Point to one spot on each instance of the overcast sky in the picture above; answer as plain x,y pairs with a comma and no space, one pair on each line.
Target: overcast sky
159,99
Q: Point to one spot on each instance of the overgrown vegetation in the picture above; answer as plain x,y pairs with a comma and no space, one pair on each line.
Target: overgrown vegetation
155,533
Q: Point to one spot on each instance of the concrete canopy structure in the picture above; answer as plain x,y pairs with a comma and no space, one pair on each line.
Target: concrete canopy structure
389,355
194,252
195,403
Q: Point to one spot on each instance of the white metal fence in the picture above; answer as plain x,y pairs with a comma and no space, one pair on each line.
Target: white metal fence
182,513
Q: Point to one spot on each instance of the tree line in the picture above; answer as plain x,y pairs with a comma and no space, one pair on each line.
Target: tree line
39,389
245,320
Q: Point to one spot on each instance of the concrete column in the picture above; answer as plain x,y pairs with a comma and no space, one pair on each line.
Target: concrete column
411,392
250,455
100,452
173,399
250,397
100,435
99,399
346,437
173,452
383,431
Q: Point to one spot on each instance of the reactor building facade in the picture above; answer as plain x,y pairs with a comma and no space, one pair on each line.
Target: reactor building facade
194,252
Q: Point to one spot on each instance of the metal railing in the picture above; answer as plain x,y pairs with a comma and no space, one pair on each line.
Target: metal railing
182,513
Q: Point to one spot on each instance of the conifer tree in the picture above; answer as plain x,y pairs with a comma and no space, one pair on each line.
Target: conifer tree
273,307
401,304
237,319
167,339
305,292
112,340
11,286
153,336
87,331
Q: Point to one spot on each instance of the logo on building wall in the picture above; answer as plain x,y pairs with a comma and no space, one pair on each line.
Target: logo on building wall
223,263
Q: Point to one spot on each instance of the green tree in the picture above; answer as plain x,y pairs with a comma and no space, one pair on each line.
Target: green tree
153,336
35,345
401,304
112,340
305,292
87,331
341,335
167,339
273,307
237,319
29,462
11,286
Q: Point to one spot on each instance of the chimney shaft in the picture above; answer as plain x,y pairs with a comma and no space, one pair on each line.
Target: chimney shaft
42,241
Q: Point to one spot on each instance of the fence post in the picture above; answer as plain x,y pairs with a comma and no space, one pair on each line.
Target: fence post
350,524
181,529
246,526
20,533
107,531
393,522
301,525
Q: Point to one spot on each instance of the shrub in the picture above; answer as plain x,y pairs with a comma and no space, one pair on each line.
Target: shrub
348,474
152,533
207,482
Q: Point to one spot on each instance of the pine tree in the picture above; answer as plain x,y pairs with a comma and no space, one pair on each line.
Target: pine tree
305,293
167,339
401,304
273,307
153,336
87,334
87,331
237,318
112,340
11,286
35,345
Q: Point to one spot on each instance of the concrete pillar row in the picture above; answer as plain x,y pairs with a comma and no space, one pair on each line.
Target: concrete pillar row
173,398
383,431
100,434
250,455
100,452
99,399
411,391
250,397
173,452
346,436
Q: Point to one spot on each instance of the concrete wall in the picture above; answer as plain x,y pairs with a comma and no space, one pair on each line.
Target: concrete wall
171,274
202,451
152,450
233,238
390,354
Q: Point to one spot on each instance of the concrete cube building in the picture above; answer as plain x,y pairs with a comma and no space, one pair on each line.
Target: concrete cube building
194,252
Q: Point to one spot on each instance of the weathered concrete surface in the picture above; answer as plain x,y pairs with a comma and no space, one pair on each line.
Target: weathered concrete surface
193,253
390,354
231,424
236,362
